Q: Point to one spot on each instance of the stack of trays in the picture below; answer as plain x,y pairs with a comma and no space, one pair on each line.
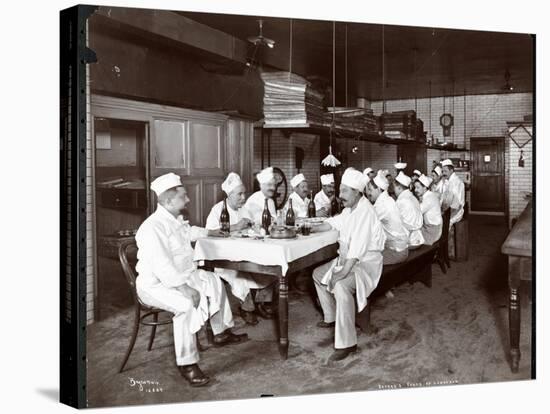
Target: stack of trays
290,100
358,119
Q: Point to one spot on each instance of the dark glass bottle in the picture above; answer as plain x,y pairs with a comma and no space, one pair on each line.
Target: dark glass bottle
266,217
311,211
224,218
334,207
290,216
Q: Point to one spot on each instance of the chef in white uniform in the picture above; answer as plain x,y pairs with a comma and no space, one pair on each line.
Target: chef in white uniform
369,172
409,210
254,207
438,183
400,167
356,270
240,282
255,203
454,193
299,196
323,198
169,279
431,210
397,237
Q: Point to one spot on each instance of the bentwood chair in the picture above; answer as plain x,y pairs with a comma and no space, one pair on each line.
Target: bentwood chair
142,313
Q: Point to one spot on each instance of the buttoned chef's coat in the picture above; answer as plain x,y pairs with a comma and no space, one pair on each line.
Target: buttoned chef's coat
213,219
321,200
411,216
299,205
165,261
455,194
361,236
255,207
397,236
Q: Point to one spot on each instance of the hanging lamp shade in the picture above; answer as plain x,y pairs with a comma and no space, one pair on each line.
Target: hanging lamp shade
330,160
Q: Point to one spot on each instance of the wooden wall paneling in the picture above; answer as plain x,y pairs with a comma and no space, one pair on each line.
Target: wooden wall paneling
194,208
206,144
211,194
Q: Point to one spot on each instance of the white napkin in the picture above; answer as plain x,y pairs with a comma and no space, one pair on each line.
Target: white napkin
328,275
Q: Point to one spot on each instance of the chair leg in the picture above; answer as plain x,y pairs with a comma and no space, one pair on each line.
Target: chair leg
153,332
135,331
447,259
441,262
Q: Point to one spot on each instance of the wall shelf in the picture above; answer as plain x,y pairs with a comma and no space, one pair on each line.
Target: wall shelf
446,148
356,134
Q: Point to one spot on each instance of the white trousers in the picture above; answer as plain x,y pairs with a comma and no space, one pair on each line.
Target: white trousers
338,306
242,282
173,300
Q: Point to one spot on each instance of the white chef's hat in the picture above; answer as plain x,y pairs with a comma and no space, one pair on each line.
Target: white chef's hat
354,179
447,162
417,172
327,179
400,165
165,182
384,172
403,179
425,180
368,170
297,179
231,182
437,170
265,175
381,181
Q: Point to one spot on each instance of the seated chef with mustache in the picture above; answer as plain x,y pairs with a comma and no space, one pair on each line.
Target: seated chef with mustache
356,270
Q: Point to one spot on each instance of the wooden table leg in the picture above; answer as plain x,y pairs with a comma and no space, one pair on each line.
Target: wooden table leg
283,317
514,315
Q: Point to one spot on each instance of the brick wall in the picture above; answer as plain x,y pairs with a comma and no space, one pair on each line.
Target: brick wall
518,179
282,155
483,116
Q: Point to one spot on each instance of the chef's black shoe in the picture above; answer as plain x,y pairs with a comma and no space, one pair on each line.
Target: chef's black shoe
265,310
227,338
323,324
193,374
249,317
343,353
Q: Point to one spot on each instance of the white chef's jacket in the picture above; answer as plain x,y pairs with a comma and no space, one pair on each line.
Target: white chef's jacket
439,189
433,222
255,207
240,282
213,219
361,237
411,216
299,205
165,261
321,200
455,196
397,236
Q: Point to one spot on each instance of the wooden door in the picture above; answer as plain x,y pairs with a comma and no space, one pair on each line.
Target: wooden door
487,174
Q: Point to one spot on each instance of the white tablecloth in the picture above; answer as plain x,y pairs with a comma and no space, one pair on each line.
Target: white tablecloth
267,252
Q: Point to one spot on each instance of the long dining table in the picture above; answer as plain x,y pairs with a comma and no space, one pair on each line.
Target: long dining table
274,257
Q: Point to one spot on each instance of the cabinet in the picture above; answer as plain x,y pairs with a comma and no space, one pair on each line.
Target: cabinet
188,147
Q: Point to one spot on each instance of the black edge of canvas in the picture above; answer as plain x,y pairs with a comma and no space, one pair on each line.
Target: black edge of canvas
534,224
74,56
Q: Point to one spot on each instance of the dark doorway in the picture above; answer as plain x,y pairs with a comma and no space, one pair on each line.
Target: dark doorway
415,157
487,174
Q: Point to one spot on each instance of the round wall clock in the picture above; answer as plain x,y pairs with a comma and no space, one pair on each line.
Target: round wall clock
446,121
